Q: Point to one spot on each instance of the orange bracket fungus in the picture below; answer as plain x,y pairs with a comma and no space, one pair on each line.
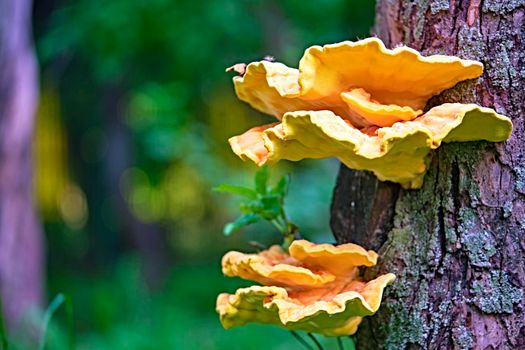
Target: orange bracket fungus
314,288
362,103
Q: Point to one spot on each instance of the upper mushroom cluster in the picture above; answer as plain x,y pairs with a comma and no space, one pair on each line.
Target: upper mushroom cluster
362,103
314,288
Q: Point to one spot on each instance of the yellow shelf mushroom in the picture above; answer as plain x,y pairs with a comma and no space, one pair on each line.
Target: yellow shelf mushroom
399,153
315,288
362,103
349,77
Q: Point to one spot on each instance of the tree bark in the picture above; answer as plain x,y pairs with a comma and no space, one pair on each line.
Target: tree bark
457,245
21,243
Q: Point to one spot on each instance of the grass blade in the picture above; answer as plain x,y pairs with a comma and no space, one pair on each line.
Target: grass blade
301,340
4,343
70,321
316,342
352,343
55,304
340,343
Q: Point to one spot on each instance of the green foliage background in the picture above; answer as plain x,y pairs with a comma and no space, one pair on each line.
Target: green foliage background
131,137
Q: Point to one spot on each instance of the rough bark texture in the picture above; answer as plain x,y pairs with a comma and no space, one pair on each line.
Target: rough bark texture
457,245
21,257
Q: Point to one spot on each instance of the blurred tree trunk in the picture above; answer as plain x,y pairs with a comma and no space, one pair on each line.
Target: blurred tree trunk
148,238
457,245
21,244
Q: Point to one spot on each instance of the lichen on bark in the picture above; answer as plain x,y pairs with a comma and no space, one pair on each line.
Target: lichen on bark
496,294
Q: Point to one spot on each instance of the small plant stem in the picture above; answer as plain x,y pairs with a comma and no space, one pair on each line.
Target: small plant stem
301,340
314,339
340,343
287,229
287,241
279,226
257,245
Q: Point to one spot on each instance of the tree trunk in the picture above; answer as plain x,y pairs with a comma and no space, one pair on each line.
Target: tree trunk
21,251
457,245
148,238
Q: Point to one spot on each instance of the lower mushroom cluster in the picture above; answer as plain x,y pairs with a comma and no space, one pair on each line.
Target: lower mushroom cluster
314,288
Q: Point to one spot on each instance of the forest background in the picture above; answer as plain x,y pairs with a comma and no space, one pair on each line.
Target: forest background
134,112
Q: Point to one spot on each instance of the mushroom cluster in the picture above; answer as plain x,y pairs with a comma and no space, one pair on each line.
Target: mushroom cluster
362,103
315,288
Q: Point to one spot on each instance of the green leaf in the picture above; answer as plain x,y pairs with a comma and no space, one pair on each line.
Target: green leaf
242,221
261,180
282,186
267,207
271,206
252,207
239,190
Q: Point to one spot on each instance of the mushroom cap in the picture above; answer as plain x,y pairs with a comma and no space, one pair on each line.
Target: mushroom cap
336,259
307,265
362,104
398,153
400,76
273,267
332,311
327,76
250,144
